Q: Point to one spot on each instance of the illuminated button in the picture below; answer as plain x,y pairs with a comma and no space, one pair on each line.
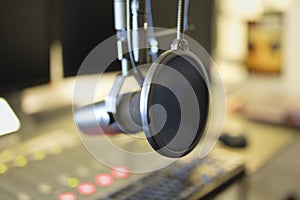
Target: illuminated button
104,179
57,150
63,179
120,172
67,196
82,171
86,188
3,168
7,155
45,188
23,196
21,161
73,182
39,155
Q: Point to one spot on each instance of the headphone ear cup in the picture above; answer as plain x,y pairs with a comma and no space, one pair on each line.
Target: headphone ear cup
174,103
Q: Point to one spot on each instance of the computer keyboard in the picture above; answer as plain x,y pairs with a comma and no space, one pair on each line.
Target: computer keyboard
47,168
195,179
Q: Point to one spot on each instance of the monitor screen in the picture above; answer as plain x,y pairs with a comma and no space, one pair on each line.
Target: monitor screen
85,24
24,44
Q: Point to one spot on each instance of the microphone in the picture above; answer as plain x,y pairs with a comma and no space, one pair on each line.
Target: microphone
172,107
96,119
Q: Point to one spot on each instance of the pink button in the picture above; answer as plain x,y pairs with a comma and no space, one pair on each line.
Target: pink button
104,179
67,196
120,171
86,188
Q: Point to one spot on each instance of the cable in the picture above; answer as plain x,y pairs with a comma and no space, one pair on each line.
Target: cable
129,34
186,16
149,13
150,27
139,77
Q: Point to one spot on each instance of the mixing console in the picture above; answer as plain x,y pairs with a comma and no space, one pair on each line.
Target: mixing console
43,168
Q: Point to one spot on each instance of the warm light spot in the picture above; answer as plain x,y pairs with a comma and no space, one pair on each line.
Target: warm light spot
39,155
67,196
3,168
73,182
86,188
21,161
104,179
120,171
58,150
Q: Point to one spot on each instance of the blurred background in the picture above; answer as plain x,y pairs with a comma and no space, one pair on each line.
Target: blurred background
254,43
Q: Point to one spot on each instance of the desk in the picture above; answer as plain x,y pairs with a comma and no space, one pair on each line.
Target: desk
271,161
266,143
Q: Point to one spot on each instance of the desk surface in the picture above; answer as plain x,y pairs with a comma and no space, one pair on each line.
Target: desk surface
265,141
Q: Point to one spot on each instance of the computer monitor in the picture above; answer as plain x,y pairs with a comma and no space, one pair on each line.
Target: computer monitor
24,44
85,24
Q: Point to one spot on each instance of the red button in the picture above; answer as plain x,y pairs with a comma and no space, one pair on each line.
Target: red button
120,171
86,188
104,179
67,196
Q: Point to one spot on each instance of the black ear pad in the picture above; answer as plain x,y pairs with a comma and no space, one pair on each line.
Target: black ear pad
173,137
